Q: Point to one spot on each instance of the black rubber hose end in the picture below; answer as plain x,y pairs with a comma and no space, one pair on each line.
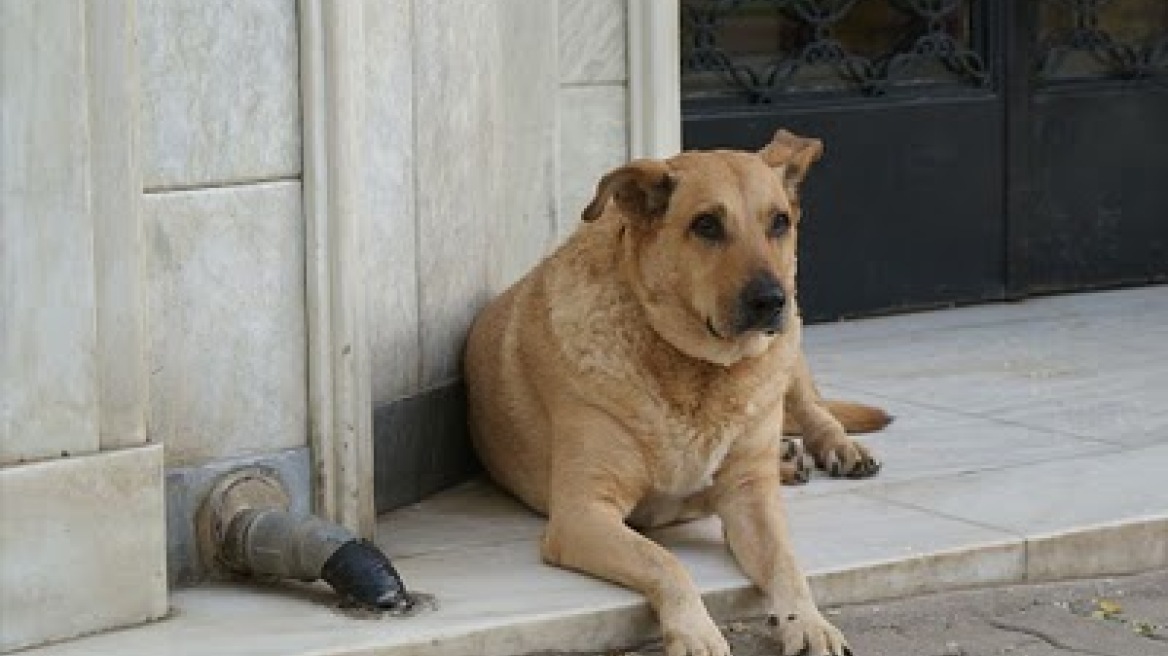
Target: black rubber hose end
360,572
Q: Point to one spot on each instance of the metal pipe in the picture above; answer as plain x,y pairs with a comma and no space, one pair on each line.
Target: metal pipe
247,529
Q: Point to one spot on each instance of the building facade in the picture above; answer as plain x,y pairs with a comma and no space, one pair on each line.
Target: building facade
234,232
254,233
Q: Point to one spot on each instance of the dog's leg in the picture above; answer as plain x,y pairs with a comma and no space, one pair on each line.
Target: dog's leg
590,535
824,436
591,497
747,500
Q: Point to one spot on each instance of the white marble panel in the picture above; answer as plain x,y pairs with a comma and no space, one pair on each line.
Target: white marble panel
116,193
220,91
225,278
1040,499
48,385
456,106
82,545
593,41
523,228
593,140
391,279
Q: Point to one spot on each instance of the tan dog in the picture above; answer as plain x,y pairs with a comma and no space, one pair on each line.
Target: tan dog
641,373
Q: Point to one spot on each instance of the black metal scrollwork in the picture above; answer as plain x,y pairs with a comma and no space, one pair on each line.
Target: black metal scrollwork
937,44
1086,36
817,59
823,49
1157,59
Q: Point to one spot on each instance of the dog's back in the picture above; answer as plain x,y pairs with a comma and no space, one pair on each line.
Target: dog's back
517,367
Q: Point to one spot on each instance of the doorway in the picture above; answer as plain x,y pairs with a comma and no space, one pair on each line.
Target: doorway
975,149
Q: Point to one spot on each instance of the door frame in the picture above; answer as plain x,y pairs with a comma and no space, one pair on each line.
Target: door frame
340,405
654,50
332,65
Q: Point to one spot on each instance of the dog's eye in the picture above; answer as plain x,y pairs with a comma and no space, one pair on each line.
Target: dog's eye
708,227
780,223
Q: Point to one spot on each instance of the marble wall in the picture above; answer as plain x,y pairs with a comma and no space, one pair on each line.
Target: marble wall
220,93
223,229
487,126
482,154
82,545
593,97
81,501
180,260
48,397
488,123
226,337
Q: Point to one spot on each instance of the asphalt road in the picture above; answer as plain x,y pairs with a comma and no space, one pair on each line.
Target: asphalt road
1122,616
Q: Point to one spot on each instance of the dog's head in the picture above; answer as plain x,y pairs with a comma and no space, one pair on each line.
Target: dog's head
709,243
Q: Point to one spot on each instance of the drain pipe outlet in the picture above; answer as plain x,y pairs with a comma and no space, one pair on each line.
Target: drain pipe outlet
249,530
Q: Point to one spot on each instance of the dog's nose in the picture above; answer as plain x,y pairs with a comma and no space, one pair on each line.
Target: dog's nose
761,304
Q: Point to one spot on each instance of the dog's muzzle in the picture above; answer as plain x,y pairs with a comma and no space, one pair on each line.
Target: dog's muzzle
761,305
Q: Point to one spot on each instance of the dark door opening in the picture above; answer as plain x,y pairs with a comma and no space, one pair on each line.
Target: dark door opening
975,149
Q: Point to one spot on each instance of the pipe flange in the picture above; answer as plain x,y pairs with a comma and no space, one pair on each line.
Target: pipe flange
250,488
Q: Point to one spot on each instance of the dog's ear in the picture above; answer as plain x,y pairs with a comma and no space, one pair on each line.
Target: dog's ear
791,156
640,188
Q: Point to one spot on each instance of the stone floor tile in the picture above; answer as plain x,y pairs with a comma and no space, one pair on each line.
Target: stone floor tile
1048,497
1033,371
473,514
928,443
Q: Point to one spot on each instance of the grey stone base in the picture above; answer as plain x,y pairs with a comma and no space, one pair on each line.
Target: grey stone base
186,487
421,446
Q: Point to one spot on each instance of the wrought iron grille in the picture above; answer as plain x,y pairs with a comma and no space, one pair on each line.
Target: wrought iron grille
1126,39
760,51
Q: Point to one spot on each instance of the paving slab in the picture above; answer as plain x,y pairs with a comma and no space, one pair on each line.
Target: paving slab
926,443
1047,497
1093,366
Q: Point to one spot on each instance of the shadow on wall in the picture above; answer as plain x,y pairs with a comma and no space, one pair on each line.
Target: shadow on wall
421,446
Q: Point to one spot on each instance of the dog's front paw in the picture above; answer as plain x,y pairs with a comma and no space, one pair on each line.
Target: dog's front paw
693,634
844,457
794,463
803,630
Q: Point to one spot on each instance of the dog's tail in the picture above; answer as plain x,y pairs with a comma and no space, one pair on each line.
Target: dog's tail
857,417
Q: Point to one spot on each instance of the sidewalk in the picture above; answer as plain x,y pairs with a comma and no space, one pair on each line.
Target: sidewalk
1031,444
1122,616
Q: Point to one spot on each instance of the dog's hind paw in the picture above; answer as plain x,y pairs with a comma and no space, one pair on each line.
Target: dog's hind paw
794,464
